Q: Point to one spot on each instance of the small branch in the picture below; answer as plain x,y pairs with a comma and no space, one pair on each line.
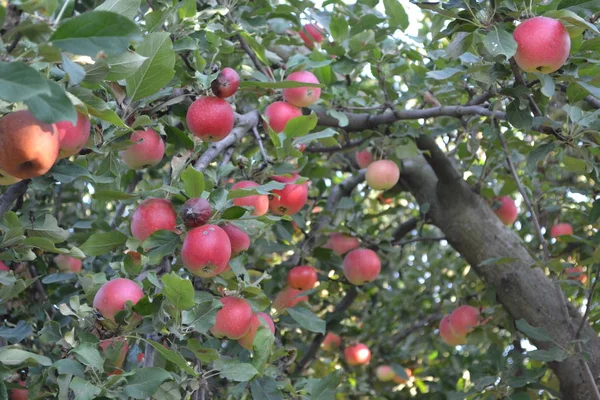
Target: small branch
40,289
14,43
12,193
227,155
121,207
187,63
521,81
404,229
263,153
589,303
335,149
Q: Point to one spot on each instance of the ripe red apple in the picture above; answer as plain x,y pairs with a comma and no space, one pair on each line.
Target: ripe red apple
448,334
206,251
19,394
464,319
311,34
259,202
288,298
226,84
114,343
357,354
240,241
576,274
398,379
382,174
4,267
73,137
302,277
195,212
341,243
210,118
331,341
67,263
147,151
233,319
560,229
385,200
113,295
279,113
507,210
291,198
385,373
364,158
140,357
247,341
152,215
361,266
6,179
543,45
302,96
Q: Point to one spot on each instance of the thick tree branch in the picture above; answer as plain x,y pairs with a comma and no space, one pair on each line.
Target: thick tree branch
405,229
441,164
12,193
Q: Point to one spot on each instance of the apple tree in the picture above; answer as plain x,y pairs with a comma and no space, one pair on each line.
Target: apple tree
299,200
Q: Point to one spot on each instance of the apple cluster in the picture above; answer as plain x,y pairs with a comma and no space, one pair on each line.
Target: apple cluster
455,327
385,373
354,354
381,174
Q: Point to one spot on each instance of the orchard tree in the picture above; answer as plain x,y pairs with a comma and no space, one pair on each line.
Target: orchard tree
290,200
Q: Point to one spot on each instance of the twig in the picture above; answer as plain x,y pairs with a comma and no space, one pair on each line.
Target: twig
335,149
263,153
589,303
405,228
40,288
521,81
381,79
14,43
12,193
227,155
121,207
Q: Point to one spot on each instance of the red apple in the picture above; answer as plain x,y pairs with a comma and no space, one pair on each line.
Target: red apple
140,357
195,212
543,45
385,200
114,343
331,341
67,263
291,198
361,266
279,113
152,215
507,210
357,354
233,319
6,179
19,394
302,96
385,373
341,243
364,158
73,137
576,274
247,341
3,267
464,319
240,241
147,151
259,202
448,334
302,277
113,295
382,174
226,84
210,118
398,379
288,298
561,229
206,251
311,34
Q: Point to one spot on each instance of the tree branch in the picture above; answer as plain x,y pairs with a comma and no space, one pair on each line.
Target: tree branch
442,166
405,229
335,149
121,207
589,304
12,193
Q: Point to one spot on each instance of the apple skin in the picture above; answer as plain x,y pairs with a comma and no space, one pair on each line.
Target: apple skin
279,113
195,212
206,251
147,151
6,179
364,158
113,295
302,277
341,243
576,274
67,263
240,241
382,174
113,343
233,319
357,354
226,84
311,34
19,394
258,319
448,334
210,118
543,45
73,137
507,211
4,267
302,96
288,298
152,215
385,373
361,266
464,319
560,229
259,202
291,198
28,147
331,341
399,380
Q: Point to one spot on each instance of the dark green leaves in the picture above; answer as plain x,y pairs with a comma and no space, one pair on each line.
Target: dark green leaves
90,33
307,320
500,42
235,370
325,389
396,14
520,118
20,82
193,182
145,382
103,243
178,291
11,357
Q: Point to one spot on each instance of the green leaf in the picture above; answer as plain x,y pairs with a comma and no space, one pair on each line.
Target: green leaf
179,291
326,388
251,191
444,73
203,354
539,154
15,335
89,355
235,370
102,243
573,19
172,356
126,8
311,137
338,28
69,366
397,15
595,212
593,90
10,356
83,389
300,126
539,334
265,388
234,212
97,107
548,85
573,164
52,107
75,71
340,116
202,317
48,228
157,70
193,182
306,319
554,354
258,48
19,82
96,31
144,382
67,173
109,195
262,347
278,85
500,42
124,65
519,118
160,244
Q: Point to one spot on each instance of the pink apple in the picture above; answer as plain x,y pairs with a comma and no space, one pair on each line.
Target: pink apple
152,215
278,114
260,202
6,179
67,263
364,158
233,319
448,334
73,137
226,84
382,174
240,241
464,319
311,34
357,354
576,274
507,210
113,295
258,319
147,151
302,277
302,96
385,373
331,341
561,229
361,266
288,298
210,118
291,198
4,267
206,251
341,243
